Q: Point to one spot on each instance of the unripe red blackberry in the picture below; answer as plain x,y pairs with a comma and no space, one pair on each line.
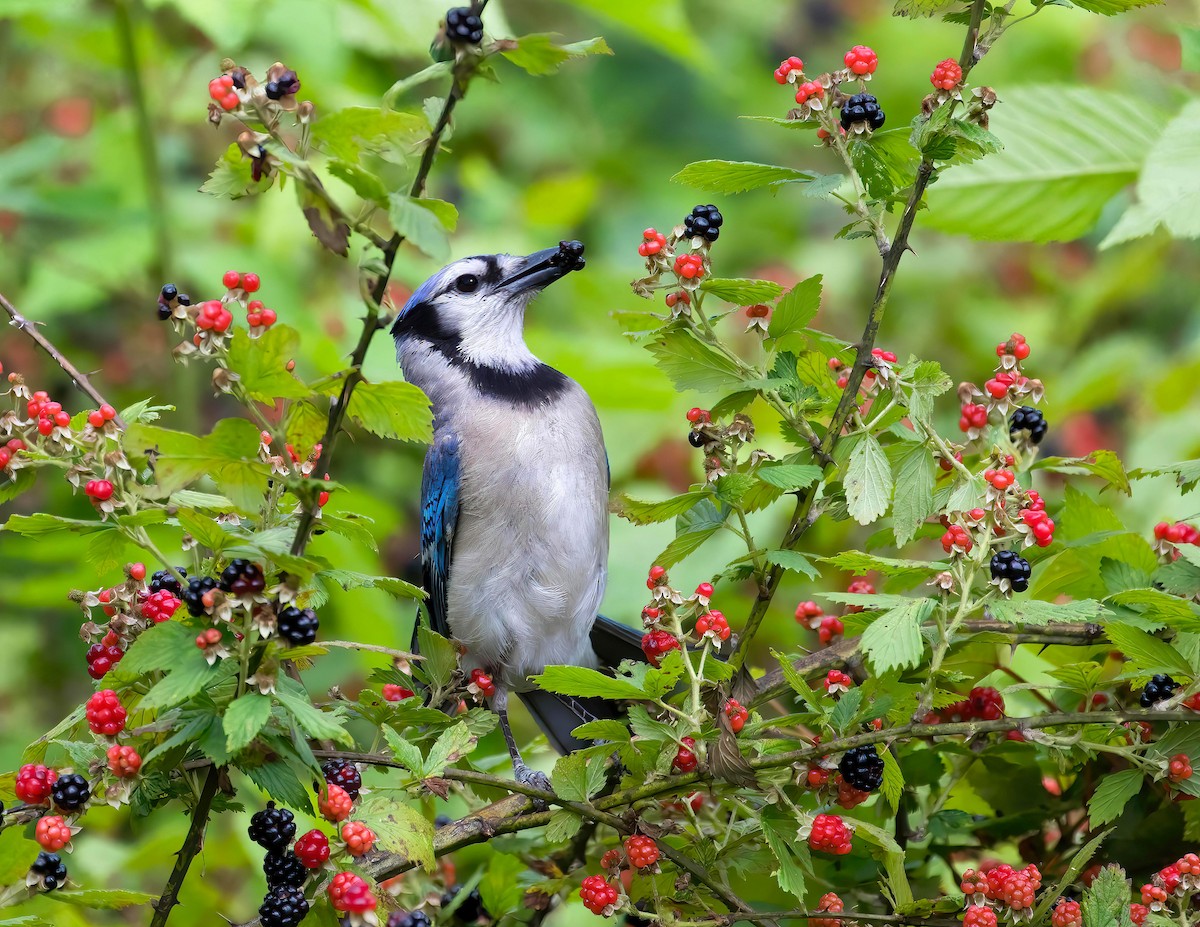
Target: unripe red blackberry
862,767
70,792
312,849
284,906
597,894
349,892
34,783
830,834
642,851
272,828
283,867
298,626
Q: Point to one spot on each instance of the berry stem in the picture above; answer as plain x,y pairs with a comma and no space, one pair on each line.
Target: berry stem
968,58
191,846
859,205
81,382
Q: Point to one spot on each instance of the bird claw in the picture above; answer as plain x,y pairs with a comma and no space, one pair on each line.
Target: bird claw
536,779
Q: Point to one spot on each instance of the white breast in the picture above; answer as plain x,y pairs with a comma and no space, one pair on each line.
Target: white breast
531,545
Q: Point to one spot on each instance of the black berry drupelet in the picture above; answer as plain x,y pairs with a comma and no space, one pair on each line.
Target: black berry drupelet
704,221
1157,689
464,26
287,83
298,625
282,867
272,828
696,439
50,870
862,767
70,792
862,107
470,909
1007,565
242,577
193,595
162,579
409,919
569,255
1029,419
345,774
284,906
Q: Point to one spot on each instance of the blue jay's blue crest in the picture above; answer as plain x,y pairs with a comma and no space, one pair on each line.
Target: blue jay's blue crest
514,498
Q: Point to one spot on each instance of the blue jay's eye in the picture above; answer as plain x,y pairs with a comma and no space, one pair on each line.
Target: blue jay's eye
467,283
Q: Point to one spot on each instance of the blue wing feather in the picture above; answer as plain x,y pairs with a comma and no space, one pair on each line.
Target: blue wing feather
439,515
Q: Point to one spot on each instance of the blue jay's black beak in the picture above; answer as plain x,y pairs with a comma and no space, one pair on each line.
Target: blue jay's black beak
542,268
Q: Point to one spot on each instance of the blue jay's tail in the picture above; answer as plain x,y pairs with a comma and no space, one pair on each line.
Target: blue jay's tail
558,715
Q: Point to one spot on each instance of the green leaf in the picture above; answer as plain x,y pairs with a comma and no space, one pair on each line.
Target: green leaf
538,54
581,681
578,776
728,177
893,780
789,477
401,829
15,484
159,647
392,409
923,7
360,180
1106,900
793,561
101,899
603,729
321,725
1168,191
261,363
915,477
741,291
649,513
893,640
421,225
42,523
928,382
190,676
798,683
1186,473
1147,653
231,176
1111,796
346,133
501,887
904,572
441,656
797,308
691,364
1036,612
1159,607
791,855
1104,464
868,481
1078,862
1112,7
281,783
1054,176
562,826
348,579
243,719
451,746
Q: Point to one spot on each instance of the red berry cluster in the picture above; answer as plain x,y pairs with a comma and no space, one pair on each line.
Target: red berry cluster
657,644
831,903
481,684
837,682
973,417
653,241
598,895
859,587
312,849
334,803
105,713
1168,536
737,714
946,75
957,540
98,418
685,760
124,762
983,703
848,796
642,851
787,66
861,60
689,266
104,655
1003,885
1036,524
9,450
978,915
33,783
99,491
396,693
223,93
52,833
829,834
1179,768
160,606
349,892
49,414
1067,914
999,480
359,838
712,626
213,317
808,91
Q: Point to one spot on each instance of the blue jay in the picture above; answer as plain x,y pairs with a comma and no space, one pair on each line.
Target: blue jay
514,496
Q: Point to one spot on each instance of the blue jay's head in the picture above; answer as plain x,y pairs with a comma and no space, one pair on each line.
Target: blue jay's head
473,311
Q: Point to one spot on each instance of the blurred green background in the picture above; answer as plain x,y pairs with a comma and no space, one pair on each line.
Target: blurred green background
585,154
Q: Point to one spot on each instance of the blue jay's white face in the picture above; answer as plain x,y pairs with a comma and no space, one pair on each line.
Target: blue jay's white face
474,309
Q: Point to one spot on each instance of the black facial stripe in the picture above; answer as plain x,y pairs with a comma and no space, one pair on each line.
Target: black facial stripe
424,323
491,276
530,387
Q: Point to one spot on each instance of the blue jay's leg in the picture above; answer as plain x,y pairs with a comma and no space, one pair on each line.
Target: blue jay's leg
522,773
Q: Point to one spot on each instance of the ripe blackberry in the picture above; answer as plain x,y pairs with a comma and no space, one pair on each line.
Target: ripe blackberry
469,910
463,25
162,579
569,255
283,867
298,625
50,870
193,596
696,438
1007,565
1158,689
242,577
284,906
704,221
409,919
1029,419
272,828
70,792
345,774
862,767
169,292
862,107
286,83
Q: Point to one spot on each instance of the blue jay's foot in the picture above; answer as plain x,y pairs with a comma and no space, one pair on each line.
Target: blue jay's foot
533,778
